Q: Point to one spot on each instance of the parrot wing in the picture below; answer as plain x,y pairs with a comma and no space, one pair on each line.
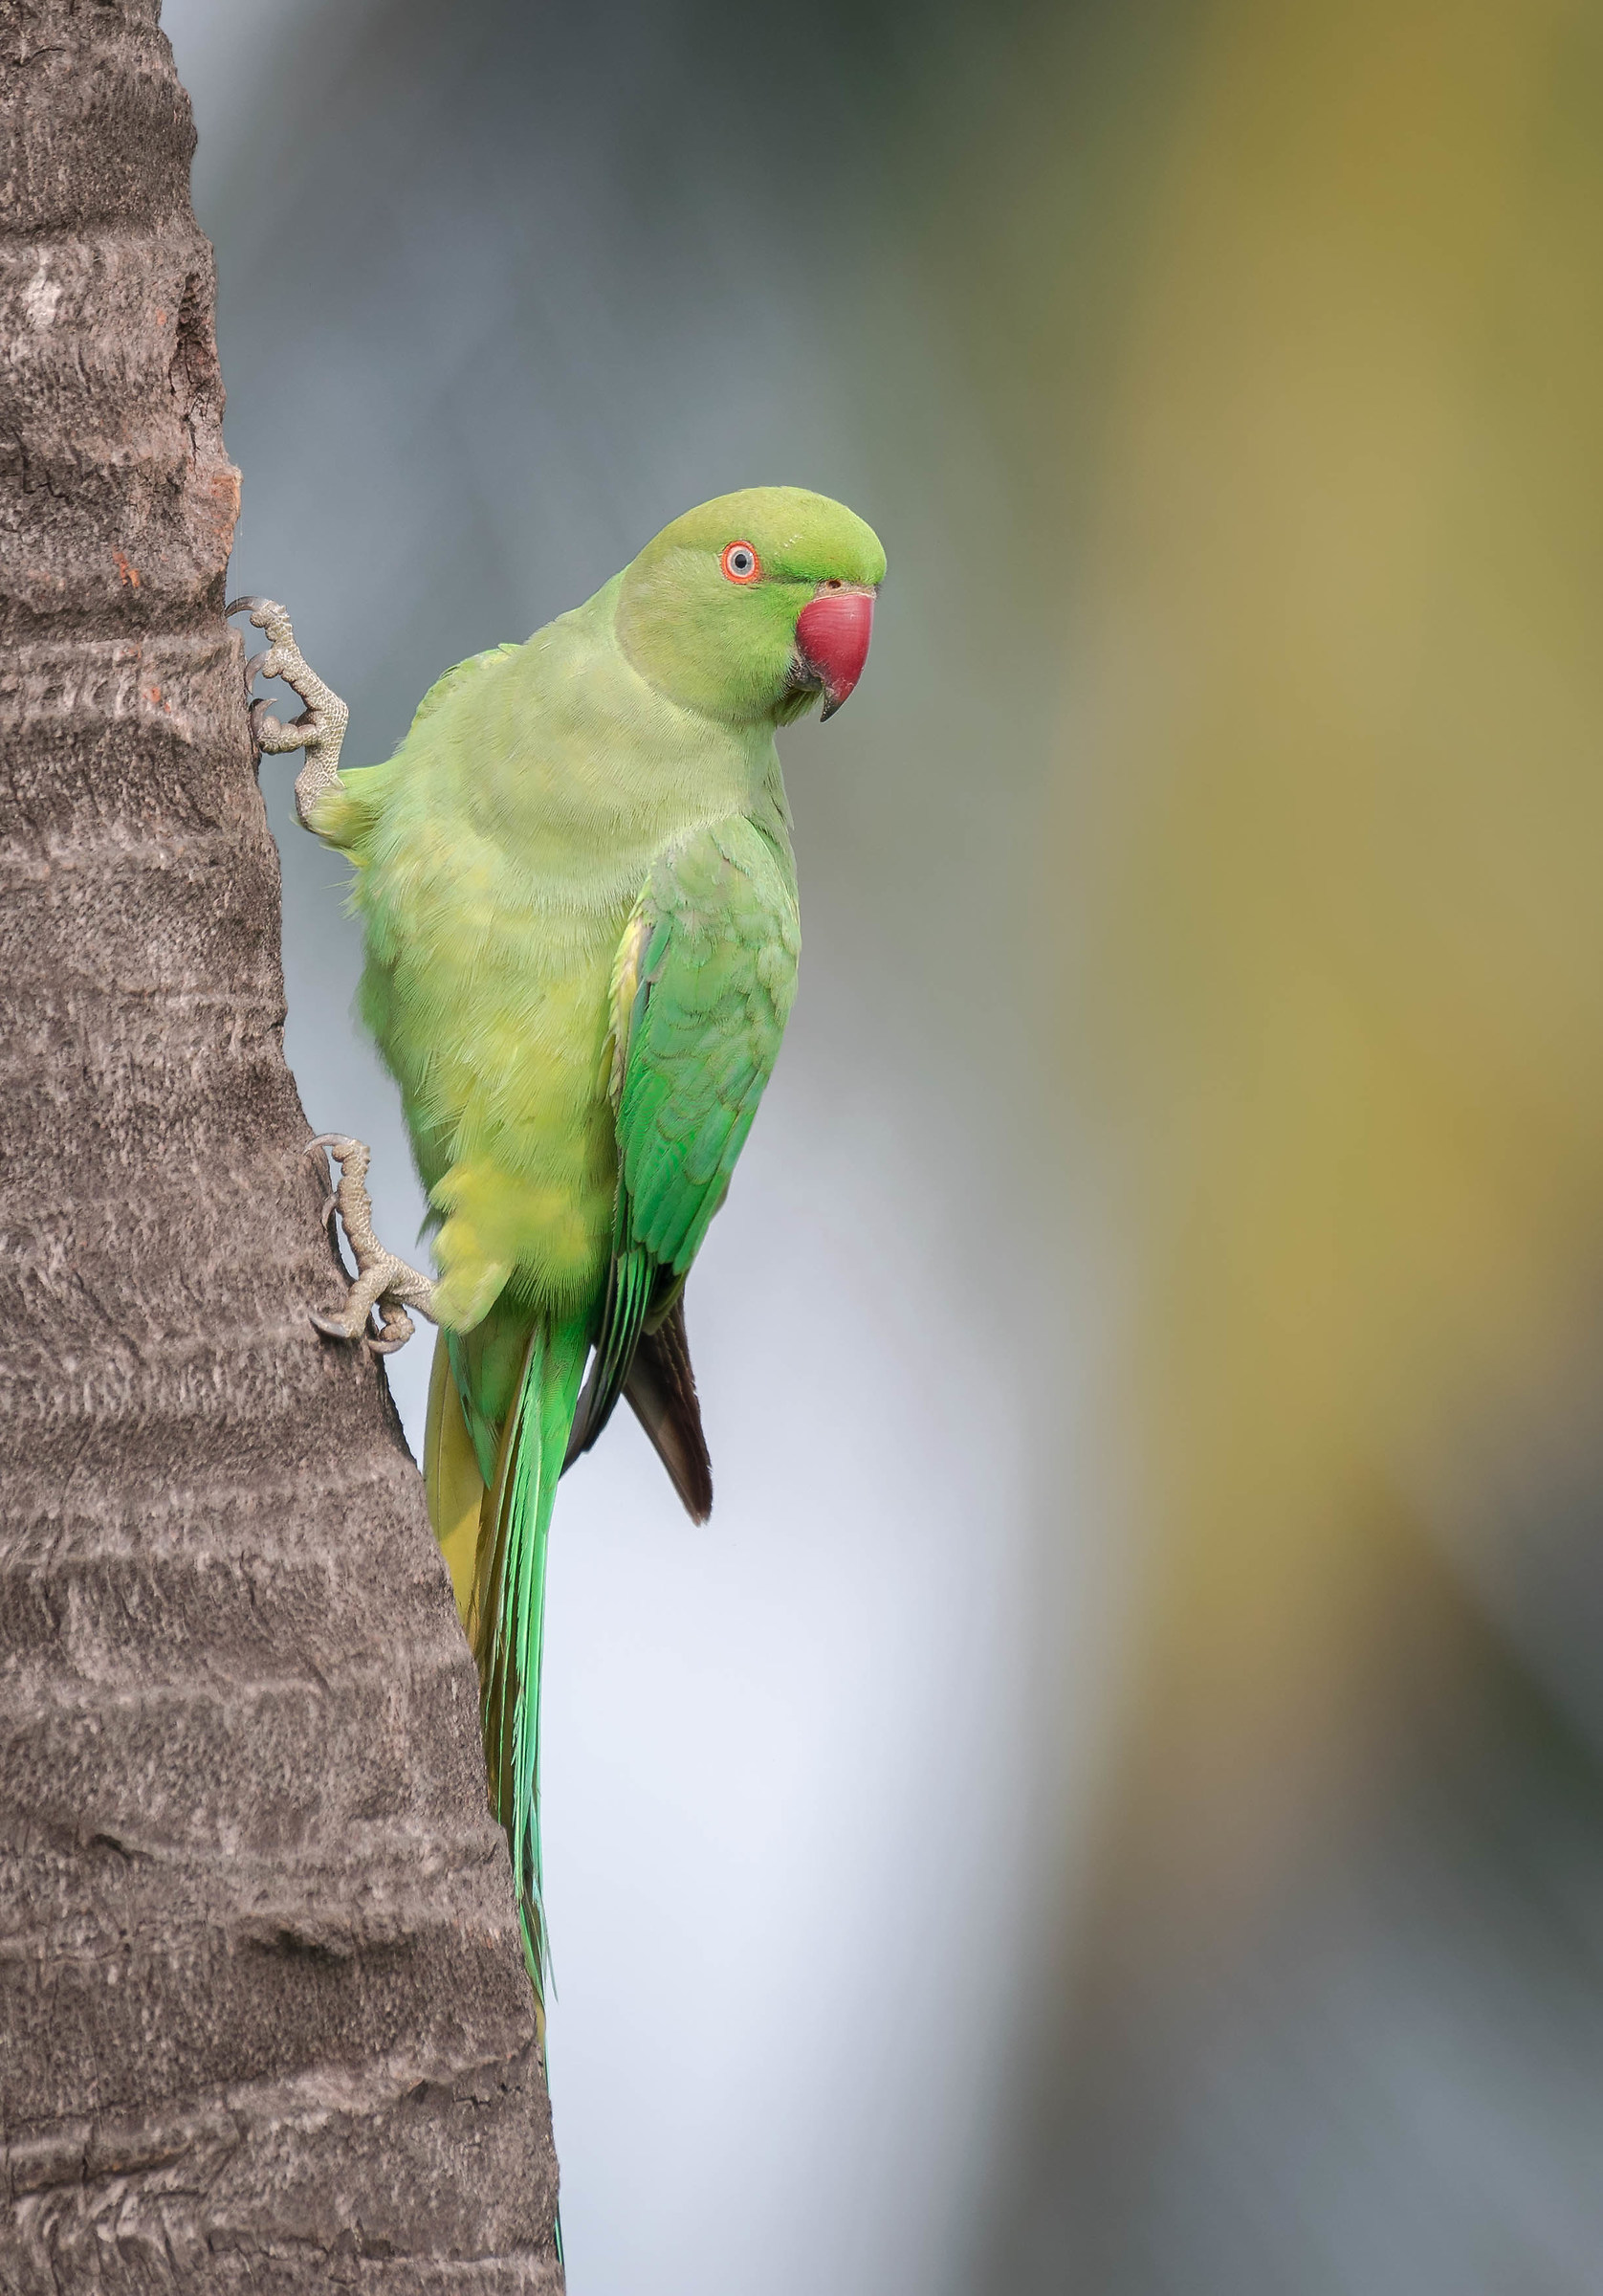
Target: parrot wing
702,987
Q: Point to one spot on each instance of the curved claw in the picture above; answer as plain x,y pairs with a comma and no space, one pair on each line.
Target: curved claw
330,1200
331,1326
259,610
338,1144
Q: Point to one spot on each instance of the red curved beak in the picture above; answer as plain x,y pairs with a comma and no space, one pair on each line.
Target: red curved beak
833,634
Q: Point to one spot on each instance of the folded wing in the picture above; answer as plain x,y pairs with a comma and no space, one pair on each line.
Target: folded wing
702,987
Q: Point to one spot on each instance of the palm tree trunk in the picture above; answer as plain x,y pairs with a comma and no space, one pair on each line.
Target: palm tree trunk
264,2021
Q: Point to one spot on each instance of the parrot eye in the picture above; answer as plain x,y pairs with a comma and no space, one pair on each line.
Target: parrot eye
741,563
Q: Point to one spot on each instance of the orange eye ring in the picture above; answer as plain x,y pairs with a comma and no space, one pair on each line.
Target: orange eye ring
741,564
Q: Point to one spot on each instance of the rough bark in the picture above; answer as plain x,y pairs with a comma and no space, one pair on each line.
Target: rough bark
263,2017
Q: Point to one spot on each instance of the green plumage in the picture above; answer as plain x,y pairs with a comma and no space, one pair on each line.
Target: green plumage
579,901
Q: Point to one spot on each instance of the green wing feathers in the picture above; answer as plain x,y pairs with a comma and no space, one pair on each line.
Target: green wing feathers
703,987
716,988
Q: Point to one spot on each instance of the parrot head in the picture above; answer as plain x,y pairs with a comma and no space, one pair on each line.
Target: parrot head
754,604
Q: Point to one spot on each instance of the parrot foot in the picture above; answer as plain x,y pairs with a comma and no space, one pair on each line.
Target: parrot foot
383,1281
320,727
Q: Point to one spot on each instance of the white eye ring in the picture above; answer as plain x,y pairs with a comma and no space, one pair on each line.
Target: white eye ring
741,563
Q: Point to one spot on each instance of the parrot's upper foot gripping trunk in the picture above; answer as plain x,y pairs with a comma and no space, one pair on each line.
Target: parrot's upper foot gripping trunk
383,1281
320,727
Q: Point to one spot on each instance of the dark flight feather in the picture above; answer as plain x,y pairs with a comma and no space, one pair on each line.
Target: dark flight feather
661,1388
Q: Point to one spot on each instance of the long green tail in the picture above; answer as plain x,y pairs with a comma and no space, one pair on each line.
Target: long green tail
508,1619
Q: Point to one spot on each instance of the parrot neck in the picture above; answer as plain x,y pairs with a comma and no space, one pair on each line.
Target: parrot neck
770,812
685,647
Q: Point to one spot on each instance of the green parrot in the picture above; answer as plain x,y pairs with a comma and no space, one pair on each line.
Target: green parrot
580,902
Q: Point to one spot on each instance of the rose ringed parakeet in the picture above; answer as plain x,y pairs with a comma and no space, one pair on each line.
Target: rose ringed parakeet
578,895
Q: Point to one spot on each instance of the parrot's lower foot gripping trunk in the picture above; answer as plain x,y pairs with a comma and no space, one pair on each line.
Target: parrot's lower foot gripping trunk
383,1281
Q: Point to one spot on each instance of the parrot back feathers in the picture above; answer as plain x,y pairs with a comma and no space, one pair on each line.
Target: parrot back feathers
451,680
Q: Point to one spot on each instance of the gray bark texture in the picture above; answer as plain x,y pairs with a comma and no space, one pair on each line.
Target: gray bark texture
264,2022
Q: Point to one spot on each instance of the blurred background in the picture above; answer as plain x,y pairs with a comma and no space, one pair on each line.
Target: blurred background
1113,1802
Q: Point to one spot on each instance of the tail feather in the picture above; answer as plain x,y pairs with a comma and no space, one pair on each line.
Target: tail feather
507,1614
661,1387
453,1477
